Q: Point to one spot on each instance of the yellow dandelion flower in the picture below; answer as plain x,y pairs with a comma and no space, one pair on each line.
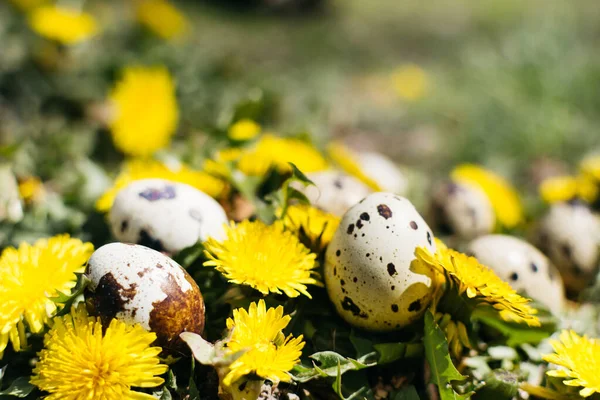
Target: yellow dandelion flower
580,358
265,257
504,198
480,283
218,165
259,332
27,5
346,160
590,166
410,82
272,151
31,189
317,225
146,111
162,18
30,276
244,129
79,361
135,170
564,188
64,25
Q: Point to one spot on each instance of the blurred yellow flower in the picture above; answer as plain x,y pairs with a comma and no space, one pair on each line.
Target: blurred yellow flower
346,160
218,165
269,354
265,257
66,26
146,111
564,188
410,82
80,360
479,282
31,189
27,5
590,166
580,358
162,18
244,129
272,151
30,276
318,226
146,169
504,198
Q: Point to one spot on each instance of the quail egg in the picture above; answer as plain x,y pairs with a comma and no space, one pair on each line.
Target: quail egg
462,210
139,285
164,215
383,171
369,271
334,191
569,234
523,266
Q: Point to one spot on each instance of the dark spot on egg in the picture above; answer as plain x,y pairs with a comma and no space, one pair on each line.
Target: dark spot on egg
334,270
384,211
577,270
338,183
414,225
179,312
514,276
534,267
393,287
395,307
429,238
415,305
363,235
391,268
355,279
147,240
566,250
365,216
359,224
348,305
196,214
342,282
243,386
338,252
350,229
109,298
124,225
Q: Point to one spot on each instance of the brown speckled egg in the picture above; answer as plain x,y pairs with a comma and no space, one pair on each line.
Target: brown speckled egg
139,285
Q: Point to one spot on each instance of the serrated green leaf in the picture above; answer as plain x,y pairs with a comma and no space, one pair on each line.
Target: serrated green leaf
20,387
326,364
515,334
443,371
67,300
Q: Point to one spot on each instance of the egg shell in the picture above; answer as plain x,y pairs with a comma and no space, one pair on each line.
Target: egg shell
462,210
369,271
523,266
383,171
164,215
334,191
136,284
569,234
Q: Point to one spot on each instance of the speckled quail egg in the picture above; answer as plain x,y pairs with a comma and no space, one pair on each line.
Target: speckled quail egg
523,266
139,285
334,191
462,210
569,234
383,171
369,273
164,215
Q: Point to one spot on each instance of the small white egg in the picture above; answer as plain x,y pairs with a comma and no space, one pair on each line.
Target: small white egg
569,234
164,215
369,271
462,210
383,171
523,266
139,285
334,191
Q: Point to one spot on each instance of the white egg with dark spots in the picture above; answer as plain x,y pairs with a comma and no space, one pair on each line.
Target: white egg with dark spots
569,235
139,285
164,215
334,191
369,271
462,210
523,266
383,171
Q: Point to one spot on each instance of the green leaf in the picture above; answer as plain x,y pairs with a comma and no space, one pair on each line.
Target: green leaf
338,387
202,350
67,300
499,385
515,334
20,387
390,352
406,393
443,371
186,257
326,364
299,176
